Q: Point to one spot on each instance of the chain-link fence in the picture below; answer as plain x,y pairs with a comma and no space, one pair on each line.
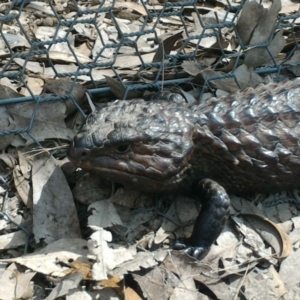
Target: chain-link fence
128,48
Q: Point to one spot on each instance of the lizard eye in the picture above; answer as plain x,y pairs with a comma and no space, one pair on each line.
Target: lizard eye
121,149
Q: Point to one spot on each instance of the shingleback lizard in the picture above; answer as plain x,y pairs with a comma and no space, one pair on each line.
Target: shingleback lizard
245,142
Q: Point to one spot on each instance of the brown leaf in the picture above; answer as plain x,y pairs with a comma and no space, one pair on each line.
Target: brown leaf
245,76
23,187
266,25
112,282
260,56
118,89
130,294
248,20
48,120
134,6
6,123
7,92
271,233
166,46
84,268
63,87
90,189
152,284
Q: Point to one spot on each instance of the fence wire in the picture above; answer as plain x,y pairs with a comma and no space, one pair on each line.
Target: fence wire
128,48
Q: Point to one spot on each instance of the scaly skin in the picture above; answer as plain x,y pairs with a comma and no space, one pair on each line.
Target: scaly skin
243,142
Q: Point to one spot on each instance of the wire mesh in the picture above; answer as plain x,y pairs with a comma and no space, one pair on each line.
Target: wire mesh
143,45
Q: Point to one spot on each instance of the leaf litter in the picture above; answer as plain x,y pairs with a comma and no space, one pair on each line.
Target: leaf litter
113,240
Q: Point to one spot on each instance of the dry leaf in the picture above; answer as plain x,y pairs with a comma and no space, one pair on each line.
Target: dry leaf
260,56
48,120
54,212
63,87
103,214
119,90
13,240
251,13
91,188
55,257
16,285
130,294
166,46
106,259
153,286
23,187
112,282
288,273
67,284
271,233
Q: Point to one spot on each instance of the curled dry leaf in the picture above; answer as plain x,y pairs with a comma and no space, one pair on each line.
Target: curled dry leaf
134,6
254,241
273,234
267,22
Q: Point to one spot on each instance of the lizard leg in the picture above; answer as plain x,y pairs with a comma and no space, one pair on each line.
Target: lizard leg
210,222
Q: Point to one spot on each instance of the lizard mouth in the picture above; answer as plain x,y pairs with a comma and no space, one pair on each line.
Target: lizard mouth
137,176
136,181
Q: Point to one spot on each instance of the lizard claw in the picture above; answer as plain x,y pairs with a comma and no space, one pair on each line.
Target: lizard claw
197,252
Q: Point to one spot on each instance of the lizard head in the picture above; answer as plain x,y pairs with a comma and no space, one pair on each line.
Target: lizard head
147,145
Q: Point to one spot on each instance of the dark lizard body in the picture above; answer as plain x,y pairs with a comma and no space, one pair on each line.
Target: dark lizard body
244,142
